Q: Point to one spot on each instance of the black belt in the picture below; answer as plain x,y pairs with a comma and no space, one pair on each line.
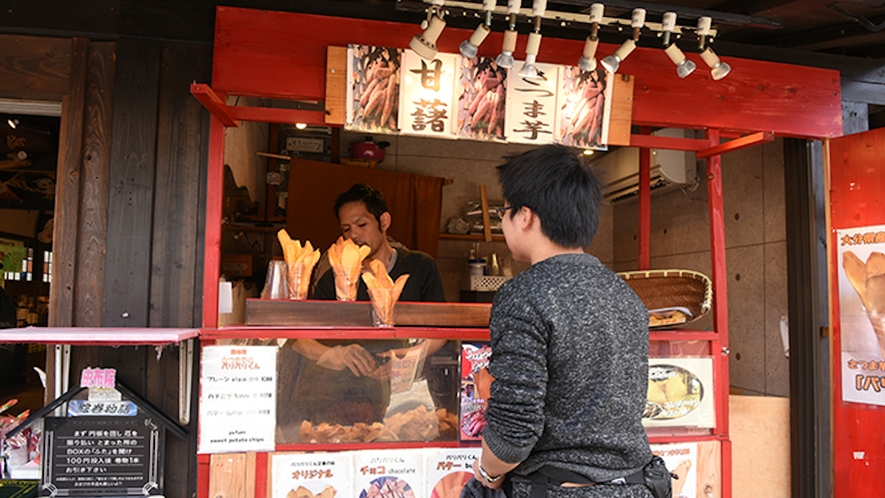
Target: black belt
557,476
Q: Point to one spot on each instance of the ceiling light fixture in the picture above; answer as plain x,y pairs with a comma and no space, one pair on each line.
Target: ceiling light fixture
612,62
469,46
424,44
505,59
718,69
300,126
684,67
587,62
531,50
12,123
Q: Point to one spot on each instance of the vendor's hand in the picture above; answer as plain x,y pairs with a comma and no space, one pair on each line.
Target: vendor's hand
353,356
482,480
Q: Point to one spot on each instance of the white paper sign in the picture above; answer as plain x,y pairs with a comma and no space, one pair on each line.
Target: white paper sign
428,94
861,268
531,105
238,386
680,393
323,475
448,470
389,473
682,460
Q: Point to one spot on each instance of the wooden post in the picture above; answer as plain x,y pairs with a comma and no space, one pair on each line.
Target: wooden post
486,219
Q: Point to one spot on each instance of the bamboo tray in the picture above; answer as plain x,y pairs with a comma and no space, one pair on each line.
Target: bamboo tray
673,297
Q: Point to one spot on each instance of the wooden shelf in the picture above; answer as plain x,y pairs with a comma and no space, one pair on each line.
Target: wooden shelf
468,236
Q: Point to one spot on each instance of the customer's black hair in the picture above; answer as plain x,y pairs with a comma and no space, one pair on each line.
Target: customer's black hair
360,192
561,190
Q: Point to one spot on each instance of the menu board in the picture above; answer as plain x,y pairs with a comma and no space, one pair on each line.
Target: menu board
102,456
449,469
238,398
389,474
315,475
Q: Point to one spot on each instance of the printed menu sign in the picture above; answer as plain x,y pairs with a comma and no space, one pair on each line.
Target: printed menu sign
389,474
315,475
238,387
102,456
449,469
861,269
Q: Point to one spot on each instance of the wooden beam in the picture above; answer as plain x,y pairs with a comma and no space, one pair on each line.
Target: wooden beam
621,110
336,86
277,115
736,144
214,104
667,143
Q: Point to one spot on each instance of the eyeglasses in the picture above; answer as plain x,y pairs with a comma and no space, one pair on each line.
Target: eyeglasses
501,210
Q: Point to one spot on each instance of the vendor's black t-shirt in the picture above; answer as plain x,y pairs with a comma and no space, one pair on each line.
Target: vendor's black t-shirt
424,282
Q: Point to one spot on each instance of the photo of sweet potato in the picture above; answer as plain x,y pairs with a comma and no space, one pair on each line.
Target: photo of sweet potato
482,90
376,78
581,113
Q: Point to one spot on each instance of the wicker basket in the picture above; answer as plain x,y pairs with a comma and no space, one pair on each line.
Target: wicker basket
486,283
669,290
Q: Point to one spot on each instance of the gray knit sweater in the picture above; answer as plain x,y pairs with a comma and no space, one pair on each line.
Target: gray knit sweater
570,362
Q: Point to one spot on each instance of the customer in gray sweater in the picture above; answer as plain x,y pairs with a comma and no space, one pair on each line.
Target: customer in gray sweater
569,345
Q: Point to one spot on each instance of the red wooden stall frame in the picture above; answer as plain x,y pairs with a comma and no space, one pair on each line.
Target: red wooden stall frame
787,100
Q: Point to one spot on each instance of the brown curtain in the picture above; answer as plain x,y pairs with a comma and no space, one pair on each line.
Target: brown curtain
415,203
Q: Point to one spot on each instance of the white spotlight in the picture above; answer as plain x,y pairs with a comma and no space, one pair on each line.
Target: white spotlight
531,53
12,123
505,59
613,61
587,62
718,69
531,50
425,44
684,67
470,46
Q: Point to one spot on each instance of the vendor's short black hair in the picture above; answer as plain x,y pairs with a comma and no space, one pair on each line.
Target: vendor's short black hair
360,192
556,184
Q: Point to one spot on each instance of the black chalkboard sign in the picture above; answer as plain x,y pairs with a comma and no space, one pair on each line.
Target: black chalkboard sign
105,457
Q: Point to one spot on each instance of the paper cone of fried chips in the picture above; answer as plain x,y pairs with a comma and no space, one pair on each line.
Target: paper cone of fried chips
300,261
346,259
384,292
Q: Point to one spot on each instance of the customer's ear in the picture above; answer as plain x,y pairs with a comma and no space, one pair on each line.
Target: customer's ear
384,221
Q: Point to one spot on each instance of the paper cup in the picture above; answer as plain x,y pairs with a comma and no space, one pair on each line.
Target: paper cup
276,285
